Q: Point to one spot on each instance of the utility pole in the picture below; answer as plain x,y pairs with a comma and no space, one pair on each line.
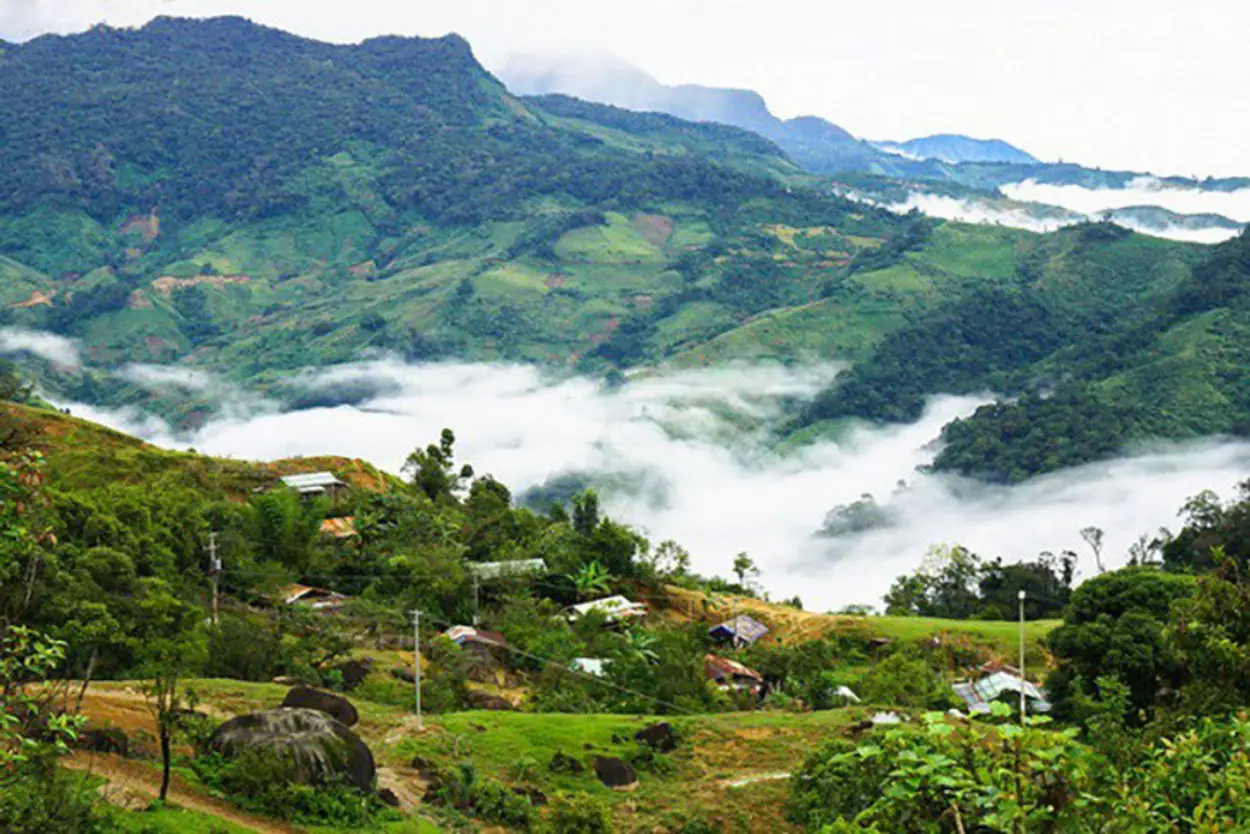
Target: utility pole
416,662
214,568
476,604
1023,702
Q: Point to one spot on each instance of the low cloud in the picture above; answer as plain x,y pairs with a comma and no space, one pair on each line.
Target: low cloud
1049,218
48,346
692,460
168,376
1141,191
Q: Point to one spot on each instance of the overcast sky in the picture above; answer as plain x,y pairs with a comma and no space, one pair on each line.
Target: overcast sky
1154,85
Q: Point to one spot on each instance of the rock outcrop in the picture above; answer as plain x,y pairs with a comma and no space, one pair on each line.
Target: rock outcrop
317,745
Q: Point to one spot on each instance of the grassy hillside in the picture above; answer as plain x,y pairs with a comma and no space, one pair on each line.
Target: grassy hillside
82,455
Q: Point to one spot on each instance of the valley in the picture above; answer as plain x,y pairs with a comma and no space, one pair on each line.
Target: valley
392,445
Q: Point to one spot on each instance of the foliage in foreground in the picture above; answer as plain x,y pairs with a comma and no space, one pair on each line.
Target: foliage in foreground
952,776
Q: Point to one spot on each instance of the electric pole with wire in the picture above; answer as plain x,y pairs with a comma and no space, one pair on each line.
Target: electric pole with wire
214,568
1022,677
416,662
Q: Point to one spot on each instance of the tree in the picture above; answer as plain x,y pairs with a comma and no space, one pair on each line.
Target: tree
586,512
24,532
36,794
1093,537
1115,627
744,568
591,580
433,468
169,660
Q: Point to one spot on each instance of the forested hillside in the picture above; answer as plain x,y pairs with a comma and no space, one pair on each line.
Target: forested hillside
112,641
1109,337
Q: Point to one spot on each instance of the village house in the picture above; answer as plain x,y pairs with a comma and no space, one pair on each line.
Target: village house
615,609
500,570
739,631
731,676
482,648
311,485
315,599
1001,685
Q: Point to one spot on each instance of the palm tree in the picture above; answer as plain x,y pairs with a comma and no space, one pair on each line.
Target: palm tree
591,579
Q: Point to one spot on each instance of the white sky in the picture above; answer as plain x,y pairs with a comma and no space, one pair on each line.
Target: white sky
1154,85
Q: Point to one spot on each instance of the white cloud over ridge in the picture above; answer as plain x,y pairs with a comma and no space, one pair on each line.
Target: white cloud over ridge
720,489
1039,218
1140,191
49,346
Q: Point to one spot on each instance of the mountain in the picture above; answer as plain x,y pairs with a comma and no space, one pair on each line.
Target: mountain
224,197
815,144
954,148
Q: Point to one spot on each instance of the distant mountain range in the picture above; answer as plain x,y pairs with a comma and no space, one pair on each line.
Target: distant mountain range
953,148
814,143
950,165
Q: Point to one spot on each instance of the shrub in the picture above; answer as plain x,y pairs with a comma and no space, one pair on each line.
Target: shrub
264,782
578,814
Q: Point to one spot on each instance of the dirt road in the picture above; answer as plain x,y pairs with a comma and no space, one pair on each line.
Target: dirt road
132,777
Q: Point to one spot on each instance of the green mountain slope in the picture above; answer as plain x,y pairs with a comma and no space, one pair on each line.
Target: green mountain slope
1135,338
223,195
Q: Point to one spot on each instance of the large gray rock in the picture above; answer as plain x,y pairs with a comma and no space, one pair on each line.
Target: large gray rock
317,744
333,705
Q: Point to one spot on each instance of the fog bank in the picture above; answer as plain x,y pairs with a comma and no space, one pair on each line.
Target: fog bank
1034,217
702,471
1141,191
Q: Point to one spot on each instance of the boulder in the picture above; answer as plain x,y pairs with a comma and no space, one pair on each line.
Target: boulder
617,774
388,797
487,701
354,672
660,737
336,706
105,740
318,745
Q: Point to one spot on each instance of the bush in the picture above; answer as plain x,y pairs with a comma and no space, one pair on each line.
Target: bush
906,681
579,814
264,782
45,798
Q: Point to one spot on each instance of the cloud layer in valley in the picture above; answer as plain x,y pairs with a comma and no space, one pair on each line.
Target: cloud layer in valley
48,346
1048,218
699,469
1141,191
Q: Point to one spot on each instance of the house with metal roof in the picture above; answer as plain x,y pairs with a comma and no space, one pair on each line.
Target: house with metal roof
482,649
614,609
464,636
317,599
740,630
313,484
978,695
515,567
729,674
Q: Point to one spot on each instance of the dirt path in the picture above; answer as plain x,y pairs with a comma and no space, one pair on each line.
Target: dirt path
131,777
